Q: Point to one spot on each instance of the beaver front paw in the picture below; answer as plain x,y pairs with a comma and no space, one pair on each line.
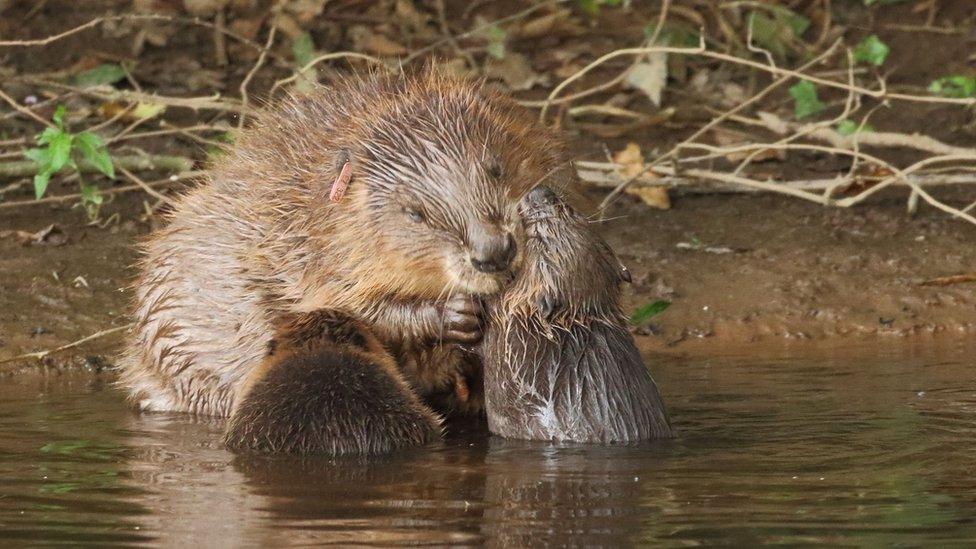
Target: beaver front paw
461,320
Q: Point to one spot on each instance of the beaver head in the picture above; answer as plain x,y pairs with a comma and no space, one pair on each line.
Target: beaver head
438,165
559,363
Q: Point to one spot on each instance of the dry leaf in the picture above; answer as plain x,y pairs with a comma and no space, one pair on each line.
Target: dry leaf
630,162
364,39
650,76
514,69
203,8
557,23
655,197
418,22
305,11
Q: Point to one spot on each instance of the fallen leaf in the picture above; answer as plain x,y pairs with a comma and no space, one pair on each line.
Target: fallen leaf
203,8
557,23
364,39
630,162
514,69
655,197
650,76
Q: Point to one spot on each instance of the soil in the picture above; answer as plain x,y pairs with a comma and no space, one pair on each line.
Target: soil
737,269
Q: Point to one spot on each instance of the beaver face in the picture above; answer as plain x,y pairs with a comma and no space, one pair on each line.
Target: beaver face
446,185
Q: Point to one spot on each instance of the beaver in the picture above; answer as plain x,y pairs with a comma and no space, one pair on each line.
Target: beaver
286,390
389,198
559,363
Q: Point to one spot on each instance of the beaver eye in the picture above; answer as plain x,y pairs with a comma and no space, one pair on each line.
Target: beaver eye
415,215
494,169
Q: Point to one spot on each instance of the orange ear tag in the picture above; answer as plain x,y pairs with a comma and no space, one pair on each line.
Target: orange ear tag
341,183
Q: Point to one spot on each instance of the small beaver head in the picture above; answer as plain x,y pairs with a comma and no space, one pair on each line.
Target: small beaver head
438,165
574,272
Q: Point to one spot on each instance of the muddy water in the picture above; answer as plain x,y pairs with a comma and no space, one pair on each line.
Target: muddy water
869,450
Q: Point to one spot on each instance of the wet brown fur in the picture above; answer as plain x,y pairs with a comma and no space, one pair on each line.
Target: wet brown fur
259,240
559,363
328,386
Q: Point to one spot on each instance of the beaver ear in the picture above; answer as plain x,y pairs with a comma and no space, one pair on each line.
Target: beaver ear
343,170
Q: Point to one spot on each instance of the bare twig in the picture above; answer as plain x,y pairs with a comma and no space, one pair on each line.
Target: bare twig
145,186
24,168
41,354
24,110
115,190
319,59
251,73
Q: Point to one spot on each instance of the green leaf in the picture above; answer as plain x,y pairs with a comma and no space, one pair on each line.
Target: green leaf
871,50
40,183
649,311
59,149
92,148
102,75
58,116
955,85
42,157
496,41
850,127
303,48
90,194
47,135
806,102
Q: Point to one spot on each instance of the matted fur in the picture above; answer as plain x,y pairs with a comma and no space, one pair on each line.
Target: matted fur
559,363
328,386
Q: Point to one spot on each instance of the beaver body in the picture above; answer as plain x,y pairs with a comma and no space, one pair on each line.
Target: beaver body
430,220
559,363
297,400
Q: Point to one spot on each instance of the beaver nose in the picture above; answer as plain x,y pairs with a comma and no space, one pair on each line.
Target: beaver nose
540,196
493,255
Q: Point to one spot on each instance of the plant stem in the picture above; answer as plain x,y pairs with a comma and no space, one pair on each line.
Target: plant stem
24,168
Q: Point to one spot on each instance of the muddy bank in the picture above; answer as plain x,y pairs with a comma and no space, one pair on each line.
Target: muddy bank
736,269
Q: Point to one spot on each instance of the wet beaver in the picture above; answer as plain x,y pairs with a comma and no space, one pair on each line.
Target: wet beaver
559,363
284,406
435,167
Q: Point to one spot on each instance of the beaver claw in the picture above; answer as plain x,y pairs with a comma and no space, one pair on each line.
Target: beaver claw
461,318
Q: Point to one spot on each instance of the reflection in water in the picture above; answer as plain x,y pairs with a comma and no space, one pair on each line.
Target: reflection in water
833,450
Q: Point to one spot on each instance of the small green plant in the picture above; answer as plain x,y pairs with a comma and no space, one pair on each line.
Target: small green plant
592,7
872,50
649,311
60,149
780,31
303,49
805,99
955,85
496,37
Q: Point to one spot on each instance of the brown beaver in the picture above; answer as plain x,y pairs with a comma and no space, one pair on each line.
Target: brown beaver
285,406
559,363
430,221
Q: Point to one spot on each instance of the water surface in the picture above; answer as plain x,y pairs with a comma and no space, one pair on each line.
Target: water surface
871,447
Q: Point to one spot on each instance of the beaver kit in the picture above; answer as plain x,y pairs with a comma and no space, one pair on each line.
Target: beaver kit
559,361
323,286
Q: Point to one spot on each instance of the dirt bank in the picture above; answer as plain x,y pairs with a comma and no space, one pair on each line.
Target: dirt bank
736,269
